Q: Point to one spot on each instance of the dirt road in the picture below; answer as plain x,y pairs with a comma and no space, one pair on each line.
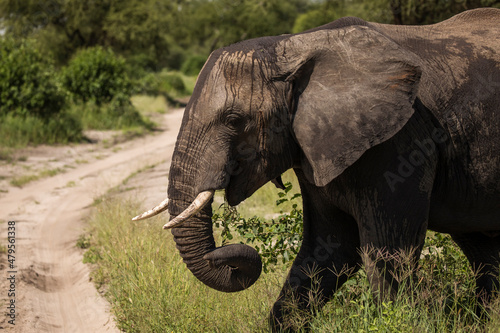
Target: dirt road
47,284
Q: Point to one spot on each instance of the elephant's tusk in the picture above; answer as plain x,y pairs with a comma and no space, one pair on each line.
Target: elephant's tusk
201,201
152,212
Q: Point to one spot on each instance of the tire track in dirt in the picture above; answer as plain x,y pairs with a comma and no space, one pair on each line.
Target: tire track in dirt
53,292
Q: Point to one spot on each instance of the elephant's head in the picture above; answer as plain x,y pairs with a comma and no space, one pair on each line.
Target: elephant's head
315,101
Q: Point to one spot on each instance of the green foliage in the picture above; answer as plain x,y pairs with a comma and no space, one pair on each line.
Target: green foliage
278,240
245,19
157,34
193,65
428,11
327,11
119,113
27,81
165,31
172,81
442,260
97,75
165,83
97,80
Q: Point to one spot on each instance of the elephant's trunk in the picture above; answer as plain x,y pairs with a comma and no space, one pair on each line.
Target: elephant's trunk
228,268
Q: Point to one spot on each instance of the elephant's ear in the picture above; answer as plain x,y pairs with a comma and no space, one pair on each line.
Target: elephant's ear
353,88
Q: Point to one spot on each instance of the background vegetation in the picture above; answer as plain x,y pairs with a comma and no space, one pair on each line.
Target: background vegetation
153,35
70,65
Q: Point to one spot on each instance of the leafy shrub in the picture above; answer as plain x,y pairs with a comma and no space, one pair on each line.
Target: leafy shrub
101,88
163,83
193,65
27,81
140,64
172,81
96,74
275,240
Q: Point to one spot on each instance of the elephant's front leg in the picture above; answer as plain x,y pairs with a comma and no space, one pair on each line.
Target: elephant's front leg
392,234
326,259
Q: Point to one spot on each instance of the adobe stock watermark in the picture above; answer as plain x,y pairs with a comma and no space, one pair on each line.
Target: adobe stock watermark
407,165
11,273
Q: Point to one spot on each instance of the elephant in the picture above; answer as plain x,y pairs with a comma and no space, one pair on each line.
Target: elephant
391,131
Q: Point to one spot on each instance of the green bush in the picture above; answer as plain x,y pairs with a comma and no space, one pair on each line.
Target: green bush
139,65
193,65
27,81
172,81
101,89
163,83
96,74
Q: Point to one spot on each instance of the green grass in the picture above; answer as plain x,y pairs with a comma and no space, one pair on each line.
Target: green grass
70,184
109,116
25,179
6,154
151,290
150,104
51,172
18,131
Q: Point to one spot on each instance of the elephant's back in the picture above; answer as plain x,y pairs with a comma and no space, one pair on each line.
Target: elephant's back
460,86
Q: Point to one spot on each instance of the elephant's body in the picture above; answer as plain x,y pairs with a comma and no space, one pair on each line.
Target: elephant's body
459,96
391,130
442,167
460,86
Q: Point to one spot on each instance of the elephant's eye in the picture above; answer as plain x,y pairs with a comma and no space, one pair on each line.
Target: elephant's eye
234,120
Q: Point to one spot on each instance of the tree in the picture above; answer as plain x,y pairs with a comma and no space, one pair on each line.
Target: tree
154,34
64,26
329,10
414,12
150,32
61,26
212,24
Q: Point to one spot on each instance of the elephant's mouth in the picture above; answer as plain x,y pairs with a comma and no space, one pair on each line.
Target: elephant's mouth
240,188
235,194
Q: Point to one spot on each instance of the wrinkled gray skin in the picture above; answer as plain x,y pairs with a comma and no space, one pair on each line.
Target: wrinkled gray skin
391,130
